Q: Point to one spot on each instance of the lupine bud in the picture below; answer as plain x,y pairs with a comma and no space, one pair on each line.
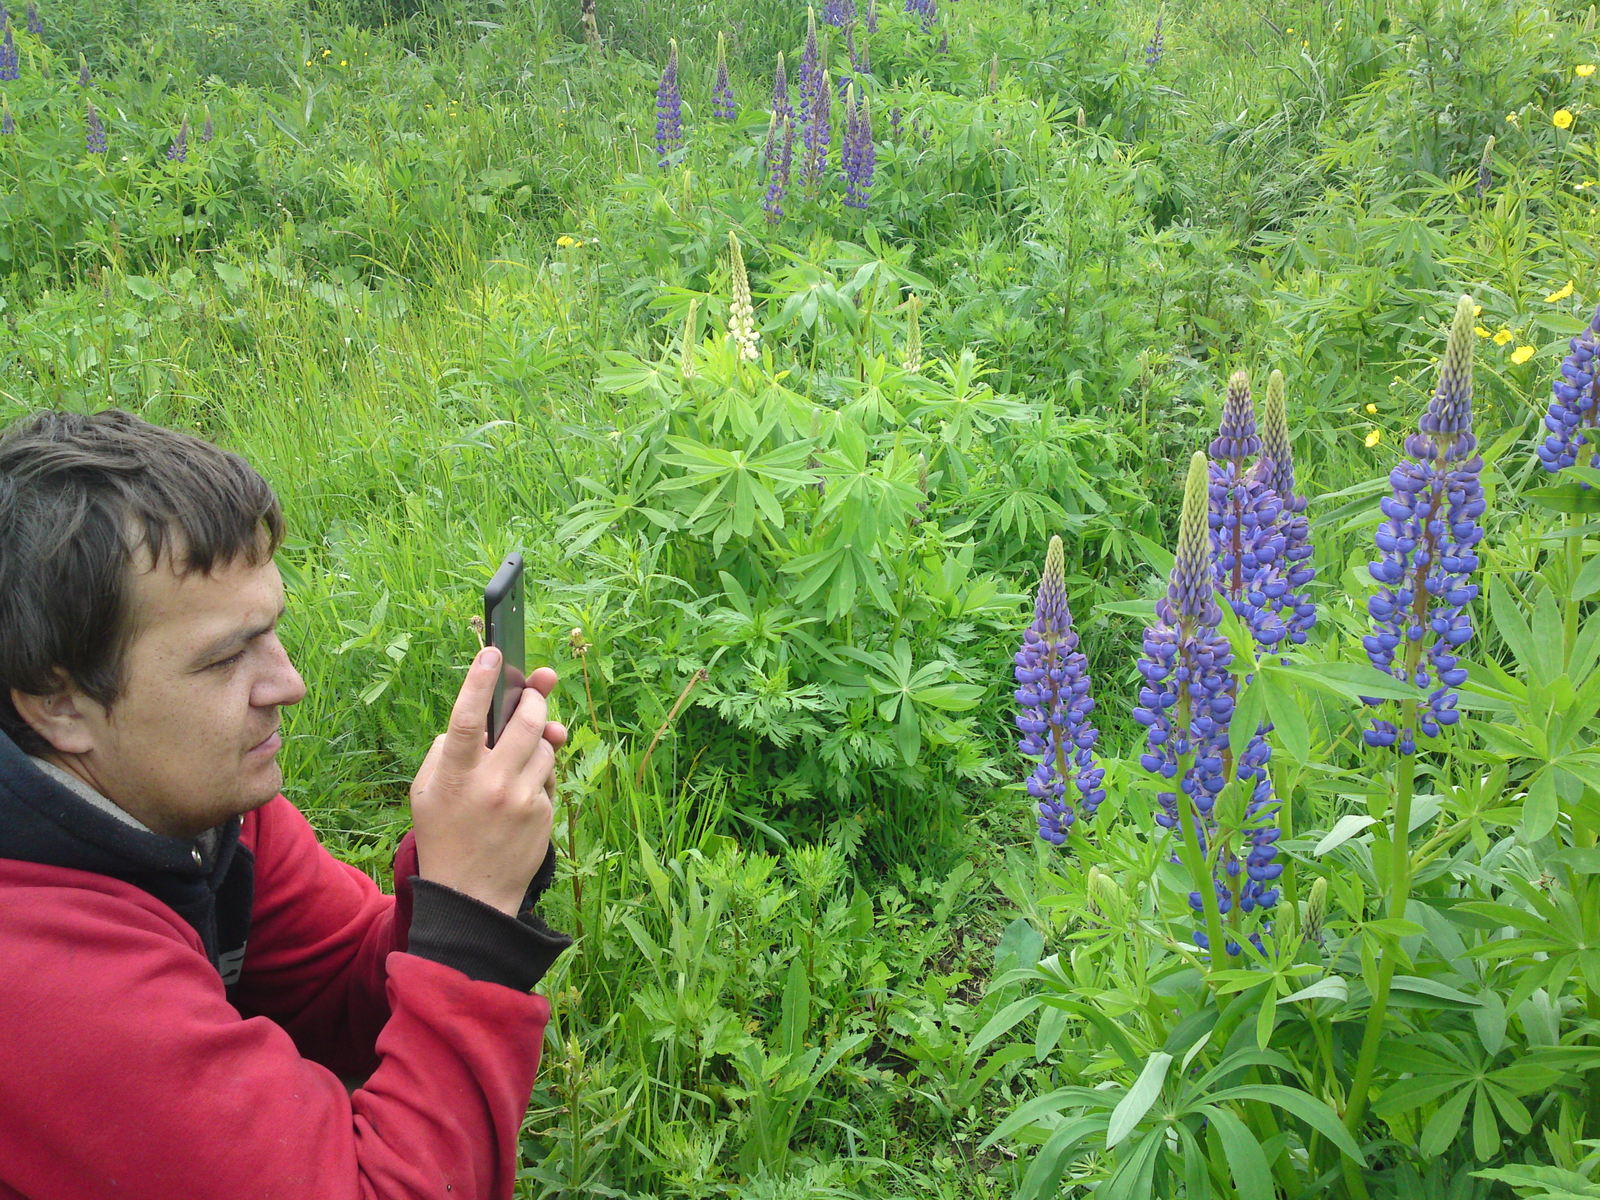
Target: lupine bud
860,53
83,71
722,103
781,107
872,16
669,109
1316,910
913,358
1485,175
94,132
1152,52
8,123
1105,896
1428,551
35,25
994,73
686,366
1294,607
179,150
1053,697
741,311
207,129
10,65
1573,418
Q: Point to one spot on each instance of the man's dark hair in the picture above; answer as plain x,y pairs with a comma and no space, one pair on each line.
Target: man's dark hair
81,497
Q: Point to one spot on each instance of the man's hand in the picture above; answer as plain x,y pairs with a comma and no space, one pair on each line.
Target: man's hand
482,817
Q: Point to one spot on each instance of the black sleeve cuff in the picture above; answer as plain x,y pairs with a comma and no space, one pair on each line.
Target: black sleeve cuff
479,941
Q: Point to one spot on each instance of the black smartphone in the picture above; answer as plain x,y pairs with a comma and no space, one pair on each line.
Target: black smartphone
503,628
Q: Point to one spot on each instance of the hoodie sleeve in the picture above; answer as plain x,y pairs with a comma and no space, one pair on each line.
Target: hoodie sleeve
129,1073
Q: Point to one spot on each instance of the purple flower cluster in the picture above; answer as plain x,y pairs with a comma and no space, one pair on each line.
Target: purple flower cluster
857,152
872,16
10,65
778,162
1053,696
781,106
179,150
83,71
1293,607
841,14
94,131
1428,546
722,103
669,109
1573,418
8,123
35,25
208,130
1246,542
818,133
1186,703
928,10
1152,52
811,83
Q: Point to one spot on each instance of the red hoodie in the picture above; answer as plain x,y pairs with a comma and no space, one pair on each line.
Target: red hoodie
126,1071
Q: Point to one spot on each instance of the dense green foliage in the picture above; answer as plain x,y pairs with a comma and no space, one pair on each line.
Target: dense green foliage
430,279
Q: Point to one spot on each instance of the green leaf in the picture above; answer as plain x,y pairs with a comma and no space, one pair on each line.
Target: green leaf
1541,807
1246,1162
1565,498
1331,988
1351,680
1345,828
1432,988
1144,1092
1288,716
1439,1134
1309,1109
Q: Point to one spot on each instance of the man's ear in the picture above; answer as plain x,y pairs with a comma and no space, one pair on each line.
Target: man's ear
57,717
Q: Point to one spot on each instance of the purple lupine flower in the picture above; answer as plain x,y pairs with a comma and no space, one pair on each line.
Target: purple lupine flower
8,123
1152,52
179,150
1246,543
35,25
818,133
1573,418
1294,607
894,124
94,131
781,107
207,129
1052,694
839,13
1419,612
862,159
83,70
1186,703
872,16
722,103
810,69
944,38
669,109
10,65
780,161
1485,169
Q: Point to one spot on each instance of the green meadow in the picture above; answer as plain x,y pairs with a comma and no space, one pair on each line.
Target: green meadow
458,280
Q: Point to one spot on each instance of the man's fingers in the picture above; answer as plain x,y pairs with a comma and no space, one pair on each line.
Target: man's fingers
544,679
555,733
430,761
524,732
464,739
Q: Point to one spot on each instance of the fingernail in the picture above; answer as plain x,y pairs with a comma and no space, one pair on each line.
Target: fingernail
488,658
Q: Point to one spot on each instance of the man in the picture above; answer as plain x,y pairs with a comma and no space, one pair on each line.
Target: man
186,975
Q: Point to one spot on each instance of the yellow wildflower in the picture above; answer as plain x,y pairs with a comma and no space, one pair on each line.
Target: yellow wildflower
325,53
1560,293
1502,336
1480,331
1511,118
565,242
1477,310
1372,408
1374,436
1521,354
1583,70
344,62
1562,118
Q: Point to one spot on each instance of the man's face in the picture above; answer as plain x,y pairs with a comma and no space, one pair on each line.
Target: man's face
193,738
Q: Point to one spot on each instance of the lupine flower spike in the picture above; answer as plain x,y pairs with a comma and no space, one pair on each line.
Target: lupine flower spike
810,68
35,25
839,13
779,163
860,157
1186,703
207,129
913,358
10,65
1152,52
83,71
722,103
741,312
1054,705
1574,415
1245,539
1428,552
1485,173
819,132
669,109
686,366
179,150
1294,607
872,17
94,131
8,123
781,107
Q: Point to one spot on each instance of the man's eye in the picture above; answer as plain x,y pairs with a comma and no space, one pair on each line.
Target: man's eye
229,661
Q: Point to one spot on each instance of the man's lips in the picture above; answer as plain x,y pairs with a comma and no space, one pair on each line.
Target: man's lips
270,744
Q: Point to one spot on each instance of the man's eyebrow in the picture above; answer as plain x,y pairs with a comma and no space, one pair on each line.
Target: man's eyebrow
240,637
